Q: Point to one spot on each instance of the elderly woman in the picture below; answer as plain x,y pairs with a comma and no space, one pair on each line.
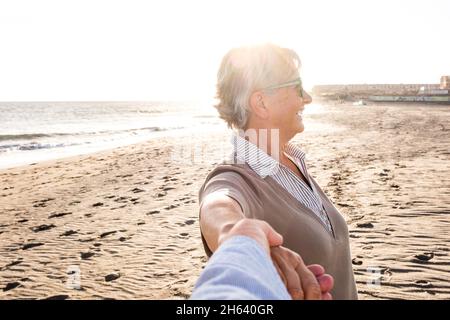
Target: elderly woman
261,96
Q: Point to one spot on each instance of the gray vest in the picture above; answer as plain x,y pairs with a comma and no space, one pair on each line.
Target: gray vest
303,232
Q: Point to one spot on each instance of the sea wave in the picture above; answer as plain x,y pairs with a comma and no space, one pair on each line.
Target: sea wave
26,136
35,141
33,136
36,146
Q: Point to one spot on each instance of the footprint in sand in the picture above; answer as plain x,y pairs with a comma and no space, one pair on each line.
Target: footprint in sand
119,207
11,285
86,240
364,225
59,215
58,297
14,263
344,204
98,204
68,233
122,199
172,206
31,245
42,203
105,234
43,227
86,255
112,277
423,284
426,256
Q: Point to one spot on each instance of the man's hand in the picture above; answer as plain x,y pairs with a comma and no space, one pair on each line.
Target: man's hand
258,230
302,282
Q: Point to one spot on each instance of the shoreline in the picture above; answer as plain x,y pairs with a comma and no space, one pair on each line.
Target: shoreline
82,151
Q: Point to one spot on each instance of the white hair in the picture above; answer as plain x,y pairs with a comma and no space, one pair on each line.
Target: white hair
245,70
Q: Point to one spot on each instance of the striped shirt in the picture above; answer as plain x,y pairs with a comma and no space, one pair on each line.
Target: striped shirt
265,165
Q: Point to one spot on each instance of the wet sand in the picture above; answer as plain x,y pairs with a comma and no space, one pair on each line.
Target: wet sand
124,222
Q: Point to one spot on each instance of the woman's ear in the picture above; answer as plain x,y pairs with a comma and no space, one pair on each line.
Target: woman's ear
257,105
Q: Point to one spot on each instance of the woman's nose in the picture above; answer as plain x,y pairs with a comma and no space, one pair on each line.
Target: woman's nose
306,98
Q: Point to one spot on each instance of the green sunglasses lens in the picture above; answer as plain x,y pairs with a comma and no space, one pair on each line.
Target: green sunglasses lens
300,89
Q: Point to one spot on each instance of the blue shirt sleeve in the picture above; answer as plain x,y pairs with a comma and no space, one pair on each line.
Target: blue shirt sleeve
240,270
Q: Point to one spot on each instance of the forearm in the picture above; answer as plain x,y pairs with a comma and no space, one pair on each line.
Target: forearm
240,269
218,214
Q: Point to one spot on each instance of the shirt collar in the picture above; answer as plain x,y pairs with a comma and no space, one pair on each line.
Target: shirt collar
295,151
259,161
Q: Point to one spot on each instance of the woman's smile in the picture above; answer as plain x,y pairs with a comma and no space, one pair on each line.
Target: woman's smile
300,114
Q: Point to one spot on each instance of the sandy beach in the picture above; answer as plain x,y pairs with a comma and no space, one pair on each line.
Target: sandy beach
125,221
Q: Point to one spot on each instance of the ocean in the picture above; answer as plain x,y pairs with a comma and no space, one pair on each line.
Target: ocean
36,131
32,132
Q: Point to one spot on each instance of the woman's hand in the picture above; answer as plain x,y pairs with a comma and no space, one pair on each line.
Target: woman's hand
302,282
326,281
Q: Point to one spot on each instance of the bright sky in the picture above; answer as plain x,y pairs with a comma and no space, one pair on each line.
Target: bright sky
170,50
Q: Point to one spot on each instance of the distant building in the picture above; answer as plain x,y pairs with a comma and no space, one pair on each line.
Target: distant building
361,91
445,82
364,90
